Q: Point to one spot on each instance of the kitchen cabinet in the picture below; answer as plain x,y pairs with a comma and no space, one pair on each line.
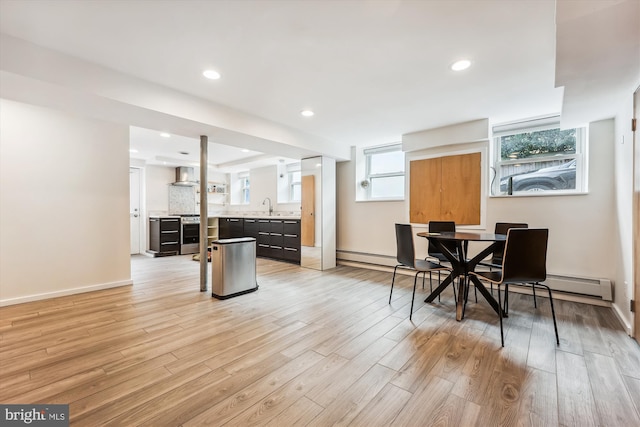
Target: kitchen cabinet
250,228
291,240
276,238
263,241
231,228
164,236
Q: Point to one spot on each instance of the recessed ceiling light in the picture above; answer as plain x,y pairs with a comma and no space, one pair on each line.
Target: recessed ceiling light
184,153
211,74
133,150
307,113
463,64
165,135
244,150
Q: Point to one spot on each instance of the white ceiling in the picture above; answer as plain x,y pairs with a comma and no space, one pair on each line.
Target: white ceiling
155,148
372,70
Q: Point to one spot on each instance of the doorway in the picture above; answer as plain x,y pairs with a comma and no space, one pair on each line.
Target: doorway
135,219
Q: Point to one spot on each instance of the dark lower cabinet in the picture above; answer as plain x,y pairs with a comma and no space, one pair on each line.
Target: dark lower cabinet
263,240
291,240
230,228
164,236
275,238
251,228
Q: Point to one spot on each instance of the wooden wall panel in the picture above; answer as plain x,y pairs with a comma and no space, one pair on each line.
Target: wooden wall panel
424,190
460,195
307,216
445,189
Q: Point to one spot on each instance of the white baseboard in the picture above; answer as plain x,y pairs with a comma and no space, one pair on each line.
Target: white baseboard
627,326
366,258
64,292
512,288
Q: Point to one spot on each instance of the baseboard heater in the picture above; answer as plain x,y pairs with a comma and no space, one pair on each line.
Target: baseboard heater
584,286
601,288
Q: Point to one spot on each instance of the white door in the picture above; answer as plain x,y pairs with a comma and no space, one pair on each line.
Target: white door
134,209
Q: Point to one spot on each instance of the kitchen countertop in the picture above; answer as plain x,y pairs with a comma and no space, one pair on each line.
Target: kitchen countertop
257,216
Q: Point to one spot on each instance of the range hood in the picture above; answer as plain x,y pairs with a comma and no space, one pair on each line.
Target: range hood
185,176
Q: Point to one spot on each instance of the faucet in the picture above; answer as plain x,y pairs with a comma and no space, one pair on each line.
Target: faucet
270,207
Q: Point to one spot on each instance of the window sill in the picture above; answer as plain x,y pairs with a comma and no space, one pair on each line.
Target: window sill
395,199
540,194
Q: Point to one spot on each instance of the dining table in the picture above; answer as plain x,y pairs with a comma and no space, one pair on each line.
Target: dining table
461,265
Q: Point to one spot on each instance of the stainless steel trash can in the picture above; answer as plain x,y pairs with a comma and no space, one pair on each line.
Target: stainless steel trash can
233,267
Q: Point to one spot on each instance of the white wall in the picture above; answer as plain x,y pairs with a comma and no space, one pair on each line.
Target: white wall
264,183
64,204
583,236
624,211
157,180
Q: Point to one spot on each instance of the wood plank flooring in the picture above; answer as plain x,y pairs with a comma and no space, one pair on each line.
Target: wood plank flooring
313,348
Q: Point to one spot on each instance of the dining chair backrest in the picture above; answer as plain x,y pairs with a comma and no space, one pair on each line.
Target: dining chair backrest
525,255
441,227
405,251
502,228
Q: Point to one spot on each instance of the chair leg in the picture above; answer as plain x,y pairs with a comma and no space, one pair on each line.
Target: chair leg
553,312
506,300
475,292
491,283
535,305
415,282
500,315
393,280
466,295
439,281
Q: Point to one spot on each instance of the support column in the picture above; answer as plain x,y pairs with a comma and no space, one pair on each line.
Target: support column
204,214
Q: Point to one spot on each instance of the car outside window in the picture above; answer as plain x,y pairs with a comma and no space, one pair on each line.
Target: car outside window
538,157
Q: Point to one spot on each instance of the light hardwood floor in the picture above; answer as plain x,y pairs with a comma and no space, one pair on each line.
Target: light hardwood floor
313,348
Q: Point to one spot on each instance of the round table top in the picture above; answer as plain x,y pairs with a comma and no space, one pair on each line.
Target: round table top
464,235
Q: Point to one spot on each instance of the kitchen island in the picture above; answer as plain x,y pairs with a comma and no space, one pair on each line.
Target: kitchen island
277,236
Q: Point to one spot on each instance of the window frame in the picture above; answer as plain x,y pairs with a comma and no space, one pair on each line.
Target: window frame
245,188
535,125
292,184
369,177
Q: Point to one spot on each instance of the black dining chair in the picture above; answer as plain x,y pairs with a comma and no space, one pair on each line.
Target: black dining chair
501,228
441,227
524,262
496,257
433,253
406,256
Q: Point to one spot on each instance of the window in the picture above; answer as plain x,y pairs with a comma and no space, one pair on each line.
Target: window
384,172
239,188
295,186
289,182
244,184
536,156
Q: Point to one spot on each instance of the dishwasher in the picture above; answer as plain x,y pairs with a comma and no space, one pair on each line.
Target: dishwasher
233,267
